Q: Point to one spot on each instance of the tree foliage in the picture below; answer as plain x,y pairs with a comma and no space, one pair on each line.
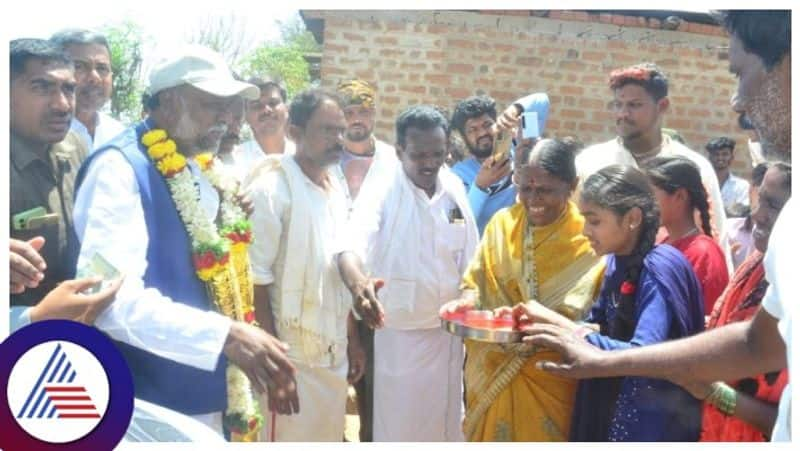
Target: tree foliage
125,40
284,58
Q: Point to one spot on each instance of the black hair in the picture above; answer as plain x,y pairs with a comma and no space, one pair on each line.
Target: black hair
723,142
673,173
619,189
23,50
757,176
269,83
647,75
69,37
421,117
766,33
574,144
305,103
554,156
470,108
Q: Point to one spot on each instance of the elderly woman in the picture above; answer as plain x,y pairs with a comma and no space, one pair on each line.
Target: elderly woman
534,249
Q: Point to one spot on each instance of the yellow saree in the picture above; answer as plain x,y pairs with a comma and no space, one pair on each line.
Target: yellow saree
508,399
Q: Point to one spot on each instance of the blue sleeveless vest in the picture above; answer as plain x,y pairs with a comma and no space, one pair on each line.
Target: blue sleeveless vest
183,388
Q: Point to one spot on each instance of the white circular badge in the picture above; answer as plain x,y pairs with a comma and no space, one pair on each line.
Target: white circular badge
58,392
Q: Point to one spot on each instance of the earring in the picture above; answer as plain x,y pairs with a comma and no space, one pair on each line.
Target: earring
632,227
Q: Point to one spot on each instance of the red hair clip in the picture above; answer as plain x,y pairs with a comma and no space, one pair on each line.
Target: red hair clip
627,288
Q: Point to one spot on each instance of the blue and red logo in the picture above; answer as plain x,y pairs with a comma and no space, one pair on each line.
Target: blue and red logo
67,387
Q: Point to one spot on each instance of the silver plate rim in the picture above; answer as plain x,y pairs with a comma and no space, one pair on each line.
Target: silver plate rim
484,335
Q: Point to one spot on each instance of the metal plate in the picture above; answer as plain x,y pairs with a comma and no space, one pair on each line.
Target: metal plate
480,334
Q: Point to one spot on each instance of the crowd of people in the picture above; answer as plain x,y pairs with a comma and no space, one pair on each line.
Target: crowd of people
275,273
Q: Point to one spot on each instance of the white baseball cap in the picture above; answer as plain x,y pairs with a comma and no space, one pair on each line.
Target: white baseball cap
202,68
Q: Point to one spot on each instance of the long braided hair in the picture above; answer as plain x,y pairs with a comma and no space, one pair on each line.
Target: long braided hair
620,189
673,173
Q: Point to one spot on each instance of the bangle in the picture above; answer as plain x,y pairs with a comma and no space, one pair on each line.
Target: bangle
723,398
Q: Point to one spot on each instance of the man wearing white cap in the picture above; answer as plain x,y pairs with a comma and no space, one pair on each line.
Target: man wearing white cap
145,205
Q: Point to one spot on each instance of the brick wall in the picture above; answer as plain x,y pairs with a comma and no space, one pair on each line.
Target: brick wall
442,56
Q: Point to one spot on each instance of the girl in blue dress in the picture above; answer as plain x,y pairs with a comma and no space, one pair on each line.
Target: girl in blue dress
649,294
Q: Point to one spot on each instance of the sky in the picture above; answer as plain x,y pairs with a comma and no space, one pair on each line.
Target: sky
168,23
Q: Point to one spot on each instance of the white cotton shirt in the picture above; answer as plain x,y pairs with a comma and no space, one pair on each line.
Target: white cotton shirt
109,220
443,256
778,302
271,221
247,156
735,193
107,129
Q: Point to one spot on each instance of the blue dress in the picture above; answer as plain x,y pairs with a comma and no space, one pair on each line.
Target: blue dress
669,305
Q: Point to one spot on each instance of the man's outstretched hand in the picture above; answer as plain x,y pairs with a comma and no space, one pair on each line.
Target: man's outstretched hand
263,359
580,359
366,304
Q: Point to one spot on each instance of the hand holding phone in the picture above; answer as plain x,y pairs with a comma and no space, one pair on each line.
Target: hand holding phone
502,145
530,125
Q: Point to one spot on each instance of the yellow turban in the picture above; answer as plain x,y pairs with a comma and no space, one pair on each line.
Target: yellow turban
357,92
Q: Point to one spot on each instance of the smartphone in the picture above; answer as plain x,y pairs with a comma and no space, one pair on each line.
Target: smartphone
502,146
20,220
530,125
98,266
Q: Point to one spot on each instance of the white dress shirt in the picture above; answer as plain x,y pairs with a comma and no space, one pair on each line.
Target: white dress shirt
107,128
246,156
778,302
271,221
412,300
109,220
735,193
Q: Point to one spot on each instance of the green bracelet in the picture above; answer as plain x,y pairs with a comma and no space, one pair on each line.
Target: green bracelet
723,398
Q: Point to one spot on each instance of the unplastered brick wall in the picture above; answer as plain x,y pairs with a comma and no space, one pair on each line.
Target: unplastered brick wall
440,57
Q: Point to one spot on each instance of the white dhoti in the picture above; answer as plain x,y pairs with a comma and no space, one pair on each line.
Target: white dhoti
322,392
418,386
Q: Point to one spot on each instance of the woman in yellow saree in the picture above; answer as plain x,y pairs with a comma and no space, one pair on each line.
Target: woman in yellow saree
533,250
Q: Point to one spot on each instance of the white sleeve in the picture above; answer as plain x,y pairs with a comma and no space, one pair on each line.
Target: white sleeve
271,200
109,220
772,301
365,221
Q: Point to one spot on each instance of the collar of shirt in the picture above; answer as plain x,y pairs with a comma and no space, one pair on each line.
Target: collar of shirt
78,127
23,153
422,196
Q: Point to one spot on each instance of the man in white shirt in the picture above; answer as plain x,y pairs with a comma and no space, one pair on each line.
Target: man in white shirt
418,234
124,211
366,159
298,224
640,102
369,163
759,55
92,57
267,117
735,190
229,144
